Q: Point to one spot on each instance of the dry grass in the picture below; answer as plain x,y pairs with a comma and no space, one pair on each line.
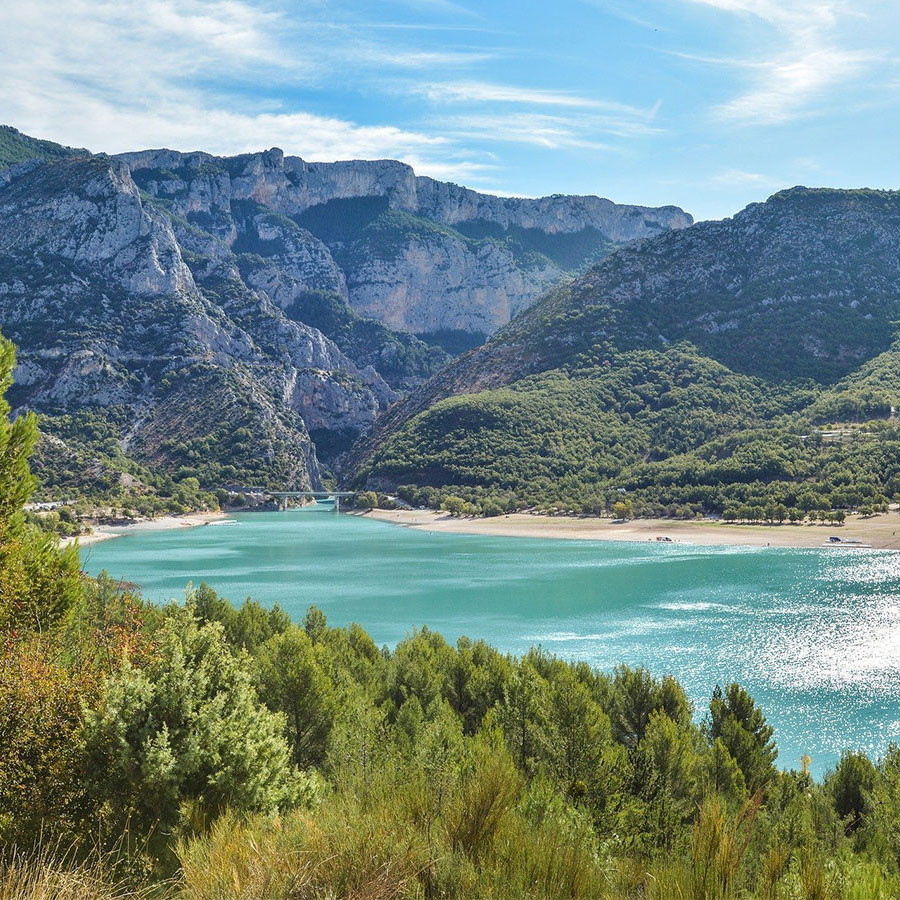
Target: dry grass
48,875
259,859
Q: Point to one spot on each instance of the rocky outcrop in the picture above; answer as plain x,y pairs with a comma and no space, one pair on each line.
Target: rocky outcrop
437,282
290,185
455,260
240,310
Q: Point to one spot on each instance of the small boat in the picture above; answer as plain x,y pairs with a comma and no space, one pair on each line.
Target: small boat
848,543
224,522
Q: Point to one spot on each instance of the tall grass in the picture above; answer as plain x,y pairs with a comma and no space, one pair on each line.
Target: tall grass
255,859
49,875
352,848
386,839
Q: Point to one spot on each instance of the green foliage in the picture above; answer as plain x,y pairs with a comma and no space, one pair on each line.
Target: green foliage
247,627
851,785
79,457
457,506
290,681
738,722
660,434
38,581
185,726
571,251
16,147
367,500
43,770
635,696
432,770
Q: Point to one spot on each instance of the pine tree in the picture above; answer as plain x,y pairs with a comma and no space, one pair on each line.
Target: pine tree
739,723
38,580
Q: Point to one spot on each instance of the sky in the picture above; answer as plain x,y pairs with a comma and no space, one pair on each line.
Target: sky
705,104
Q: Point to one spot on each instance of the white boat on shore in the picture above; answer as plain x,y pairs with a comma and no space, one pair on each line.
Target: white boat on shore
847,543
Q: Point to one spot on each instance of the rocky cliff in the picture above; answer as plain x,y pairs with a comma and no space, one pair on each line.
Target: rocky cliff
419,255
240,319
107,312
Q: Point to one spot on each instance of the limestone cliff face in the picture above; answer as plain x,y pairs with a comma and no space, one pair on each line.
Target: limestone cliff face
432,257
558,214
106,312
439,283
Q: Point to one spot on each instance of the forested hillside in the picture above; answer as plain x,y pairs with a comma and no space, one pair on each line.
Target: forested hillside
734,367
205,751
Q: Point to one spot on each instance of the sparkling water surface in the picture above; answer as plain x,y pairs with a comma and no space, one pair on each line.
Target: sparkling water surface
814,635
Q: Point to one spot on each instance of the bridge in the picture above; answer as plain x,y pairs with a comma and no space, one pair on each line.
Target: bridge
283,496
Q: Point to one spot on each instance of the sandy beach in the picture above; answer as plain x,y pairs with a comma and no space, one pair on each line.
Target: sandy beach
881,532
161,523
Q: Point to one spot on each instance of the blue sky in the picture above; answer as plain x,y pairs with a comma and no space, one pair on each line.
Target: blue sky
707,104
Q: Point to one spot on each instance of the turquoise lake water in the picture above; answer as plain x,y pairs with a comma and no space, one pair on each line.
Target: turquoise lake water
814,635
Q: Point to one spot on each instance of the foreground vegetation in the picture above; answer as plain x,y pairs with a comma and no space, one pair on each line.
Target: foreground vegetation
208,751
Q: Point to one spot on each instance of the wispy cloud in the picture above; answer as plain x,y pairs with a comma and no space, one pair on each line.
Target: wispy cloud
406,58
489,92
788,85
738,178
814,52
444,6
551,119
534,129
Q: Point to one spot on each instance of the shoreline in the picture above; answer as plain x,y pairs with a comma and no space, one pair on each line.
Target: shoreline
160,523
881,532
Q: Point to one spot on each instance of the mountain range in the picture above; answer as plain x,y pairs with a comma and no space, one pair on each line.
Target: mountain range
243,320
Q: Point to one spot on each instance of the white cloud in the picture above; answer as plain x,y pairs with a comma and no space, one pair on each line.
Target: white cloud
787,85
489,92
534,129
503,113
442,6
740,178
818,46
405,58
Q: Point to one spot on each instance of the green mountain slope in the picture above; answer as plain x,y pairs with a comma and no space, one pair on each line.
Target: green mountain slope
693,371
16,147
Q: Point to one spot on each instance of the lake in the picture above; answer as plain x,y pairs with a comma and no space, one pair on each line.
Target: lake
814,635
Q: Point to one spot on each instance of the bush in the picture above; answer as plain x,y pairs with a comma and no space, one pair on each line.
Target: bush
367,500
187,726
491,508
